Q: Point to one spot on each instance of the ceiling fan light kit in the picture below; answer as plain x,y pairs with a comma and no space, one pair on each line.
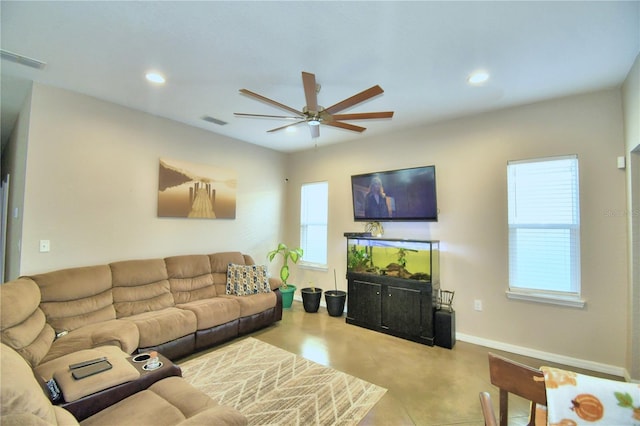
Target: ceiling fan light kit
315,115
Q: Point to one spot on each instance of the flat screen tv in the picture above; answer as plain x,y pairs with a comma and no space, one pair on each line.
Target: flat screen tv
395,195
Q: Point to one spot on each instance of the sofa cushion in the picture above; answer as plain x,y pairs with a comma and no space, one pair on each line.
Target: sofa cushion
219,264
23,325
254,304
20,393
220,415
63,417
190,278
220,261
120,333
88,287
212,312
198,407
164,325
140,286
171,401
243,280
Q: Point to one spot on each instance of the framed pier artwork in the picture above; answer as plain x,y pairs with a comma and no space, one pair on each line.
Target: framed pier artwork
196,191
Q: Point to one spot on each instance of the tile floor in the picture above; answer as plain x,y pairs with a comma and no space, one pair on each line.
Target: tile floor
425,385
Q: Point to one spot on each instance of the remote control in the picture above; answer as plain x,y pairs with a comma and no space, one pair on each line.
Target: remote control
54,390
85,363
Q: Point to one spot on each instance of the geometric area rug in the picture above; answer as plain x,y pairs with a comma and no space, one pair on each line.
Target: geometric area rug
271,386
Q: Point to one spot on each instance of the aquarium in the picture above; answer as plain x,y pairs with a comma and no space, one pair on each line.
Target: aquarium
408,259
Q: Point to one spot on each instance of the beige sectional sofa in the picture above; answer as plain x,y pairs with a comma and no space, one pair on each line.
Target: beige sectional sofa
176,305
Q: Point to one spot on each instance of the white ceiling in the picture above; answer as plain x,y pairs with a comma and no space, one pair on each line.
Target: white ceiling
420,53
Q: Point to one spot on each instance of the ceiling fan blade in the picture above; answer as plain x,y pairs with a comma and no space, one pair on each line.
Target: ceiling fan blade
310,94
315,131
355,99
363,115
270,101
345,126
284,127
282,117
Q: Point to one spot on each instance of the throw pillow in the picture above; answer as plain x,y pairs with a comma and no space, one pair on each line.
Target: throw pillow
243,280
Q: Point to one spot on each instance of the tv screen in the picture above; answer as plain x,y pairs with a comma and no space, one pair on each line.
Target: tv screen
395,195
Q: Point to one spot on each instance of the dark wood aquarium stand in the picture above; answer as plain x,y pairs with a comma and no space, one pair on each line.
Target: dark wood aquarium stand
402,307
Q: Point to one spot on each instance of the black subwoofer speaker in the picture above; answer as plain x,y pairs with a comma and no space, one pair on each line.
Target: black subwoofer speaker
445,328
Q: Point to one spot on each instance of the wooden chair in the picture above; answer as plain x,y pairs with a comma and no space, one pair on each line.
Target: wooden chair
519,379
487,409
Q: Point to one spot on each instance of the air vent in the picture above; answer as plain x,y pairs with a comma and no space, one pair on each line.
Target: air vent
214,120
22,60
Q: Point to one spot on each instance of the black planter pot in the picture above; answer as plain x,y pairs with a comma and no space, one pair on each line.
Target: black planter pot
335,302
311,298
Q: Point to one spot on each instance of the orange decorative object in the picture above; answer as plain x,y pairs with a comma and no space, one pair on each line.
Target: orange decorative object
555,377
565,422
588,407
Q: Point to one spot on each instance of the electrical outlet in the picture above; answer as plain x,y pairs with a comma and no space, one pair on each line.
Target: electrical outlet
477,305
45,246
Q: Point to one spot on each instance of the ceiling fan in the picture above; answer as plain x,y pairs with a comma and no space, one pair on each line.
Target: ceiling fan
314,114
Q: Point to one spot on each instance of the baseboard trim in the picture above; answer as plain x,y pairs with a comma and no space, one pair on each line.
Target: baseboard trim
533,353
547,356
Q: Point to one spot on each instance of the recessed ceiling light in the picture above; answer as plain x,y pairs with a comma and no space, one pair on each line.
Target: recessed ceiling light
155,77
478,77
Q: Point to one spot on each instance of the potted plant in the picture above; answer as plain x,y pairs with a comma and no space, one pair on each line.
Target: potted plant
335,299
293,254
311,297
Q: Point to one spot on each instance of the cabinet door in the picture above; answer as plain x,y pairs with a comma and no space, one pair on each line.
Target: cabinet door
366,306
401,310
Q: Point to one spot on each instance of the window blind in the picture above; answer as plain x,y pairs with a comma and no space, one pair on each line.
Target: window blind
544,225
314,212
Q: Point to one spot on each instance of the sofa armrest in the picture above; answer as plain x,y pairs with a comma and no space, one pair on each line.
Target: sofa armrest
275,283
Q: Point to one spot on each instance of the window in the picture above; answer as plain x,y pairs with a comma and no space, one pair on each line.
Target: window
314,211
544,230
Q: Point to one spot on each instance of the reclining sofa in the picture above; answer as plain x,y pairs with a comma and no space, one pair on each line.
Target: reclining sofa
176,306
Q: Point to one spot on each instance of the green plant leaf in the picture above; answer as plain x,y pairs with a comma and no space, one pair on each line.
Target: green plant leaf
284,273
624,399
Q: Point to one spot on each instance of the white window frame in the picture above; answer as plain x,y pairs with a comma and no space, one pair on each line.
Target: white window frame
314,214
542,218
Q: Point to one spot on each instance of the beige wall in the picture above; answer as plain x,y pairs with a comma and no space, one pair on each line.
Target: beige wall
631,107
470,156
92,183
